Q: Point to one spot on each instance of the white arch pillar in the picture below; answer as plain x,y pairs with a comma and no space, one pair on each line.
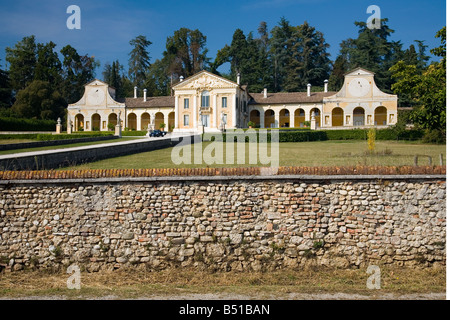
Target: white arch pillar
261,118
276,124
292,118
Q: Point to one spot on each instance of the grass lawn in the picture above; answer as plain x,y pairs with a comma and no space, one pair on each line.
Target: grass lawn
321,153
170,283
63,146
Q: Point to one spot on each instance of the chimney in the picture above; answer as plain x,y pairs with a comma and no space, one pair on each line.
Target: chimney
325,86
181,78
265,92
238,78
135,92
145,94
309,89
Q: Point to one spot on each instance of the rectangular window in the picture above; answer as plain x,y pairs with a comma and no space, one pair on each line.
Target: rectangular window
186,120
205,100
224,102
186,103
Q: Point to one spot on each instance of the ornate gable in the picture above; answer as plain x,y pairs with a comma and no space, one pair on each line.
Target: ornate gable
204,80
97,94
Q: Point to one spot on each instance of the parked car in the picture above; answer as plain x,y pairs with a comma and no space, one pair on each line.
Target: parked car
157,133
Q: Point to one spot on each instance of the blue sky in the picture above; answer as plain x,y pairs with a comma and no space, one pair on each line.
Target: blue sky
108,26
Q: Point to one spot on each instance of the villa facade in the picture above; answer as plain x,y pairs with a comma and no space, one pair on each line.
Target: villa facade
206,102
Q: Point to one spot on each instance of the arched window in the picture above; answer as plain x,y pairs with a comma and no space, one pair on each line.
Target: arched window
205,99
380,116
337,117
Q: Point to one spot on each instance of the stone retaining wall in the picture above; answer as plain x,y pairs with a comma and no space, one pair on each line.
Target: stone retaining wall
224,223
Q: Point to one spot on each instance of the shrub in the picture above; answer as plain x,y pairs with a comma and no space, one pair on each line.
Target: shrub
251,124
434,136
20,124
134,133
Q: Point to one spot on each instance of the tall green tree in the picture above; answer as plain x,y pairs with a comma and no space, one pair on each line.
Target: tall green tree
6,96
309,61
186,52
248,56
373,51
339,69
38,100
139,61
264,54
113,74
77,71
159,79
48,66
280,52
427,89
22,62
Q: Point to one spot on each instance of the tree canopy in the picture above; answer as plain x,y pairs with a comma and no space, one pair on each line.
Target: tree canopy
426,89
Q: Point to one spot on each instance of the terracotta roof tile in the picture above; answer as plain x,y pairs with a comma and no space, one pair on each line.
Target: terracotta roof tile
152,102
288,97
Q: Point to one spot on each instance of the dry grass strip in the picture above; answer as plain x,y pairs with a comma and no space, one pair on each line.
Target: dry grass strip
131,284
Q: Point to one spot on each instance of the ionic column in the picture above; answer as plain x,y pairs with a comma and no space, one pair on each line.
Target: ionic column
195,115
233,108
214,114
176,111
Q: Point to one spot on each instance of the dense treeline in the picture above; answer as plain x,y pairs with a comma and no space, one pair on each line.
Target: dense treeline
39,85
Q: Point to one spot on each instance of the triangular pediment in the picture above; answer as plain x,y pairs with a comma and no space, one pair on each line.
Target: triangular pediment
97,82
205,80
359,72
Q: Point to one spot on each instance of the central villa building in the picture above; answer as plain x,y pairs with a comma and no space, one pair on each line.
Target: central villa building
210,103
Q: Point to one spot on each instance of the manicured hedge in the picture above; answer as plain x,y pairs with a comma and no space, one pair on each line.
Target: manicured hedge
283,136
134,133
355,134
18,124
303,135
381,134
